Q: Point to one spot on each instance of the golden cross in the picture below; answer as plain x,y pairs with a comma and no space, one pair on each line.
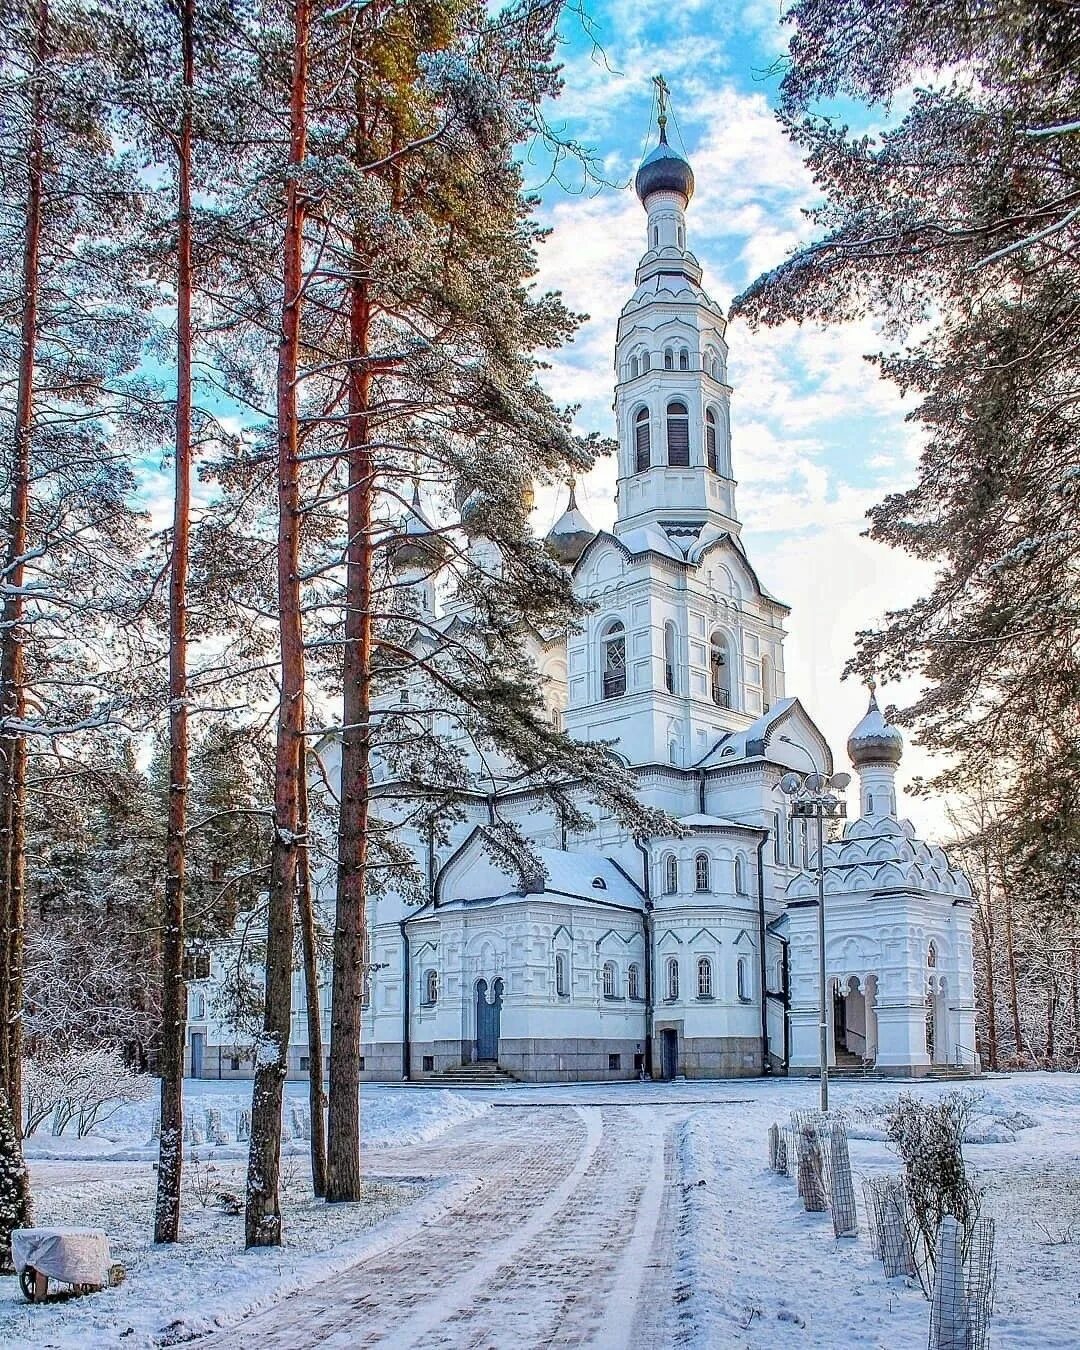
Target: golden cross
662,99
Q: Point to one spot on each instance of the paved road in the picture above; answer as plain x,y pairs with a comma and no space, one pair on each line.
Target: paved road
564,1237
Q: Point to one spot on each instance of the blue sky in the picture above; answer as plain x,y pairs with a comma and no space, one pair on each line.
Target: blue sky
817,437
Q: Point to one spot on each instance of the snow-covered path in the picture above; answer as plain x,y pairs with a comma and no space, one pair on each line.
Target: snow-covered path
642,1216
555,1244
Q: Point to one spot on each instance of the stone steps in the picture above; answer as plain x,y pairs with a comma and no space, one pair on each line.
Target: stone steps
484,1075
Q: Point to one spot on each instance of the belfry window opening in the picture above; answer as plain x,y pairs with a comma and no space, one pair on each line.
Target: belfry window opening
669,359
671,874
669,657
701,872
684,359
710,441
678,435
720,671
613,649
642,441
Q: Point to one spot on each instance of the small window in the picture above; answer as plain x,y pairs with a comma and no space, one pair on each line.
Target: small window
778,837
429,1064
869,803
678,435
672,978
704,977
931,955
682,237
656,236
720,671
642,441
562,981
742,976
599,884
671,874
740,875
684,359
610,977
669,657
646,362
362,1065
614,1062
431,987
710,440
669,359
234,1063
701,872
305,1063
613,647
673,752
633,981
633,367
197,966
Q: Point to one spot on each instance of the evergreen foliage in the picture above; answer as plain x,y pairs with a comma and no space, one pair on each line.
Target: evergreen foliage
959,227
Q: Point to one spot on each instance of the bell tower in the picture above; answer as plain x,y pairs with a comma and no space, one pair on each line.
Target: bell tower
672,399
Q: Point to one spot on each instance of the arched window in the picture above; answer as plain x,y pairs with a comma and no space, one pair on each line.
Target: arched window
613,663
646,362
671,874
672,978
678,435
642,441
200,1006
669,657
869,803
562,981
656,236
609,979
720,669
742,979
701,872
682,237
931,955
740,875
669,359
633,981
673,752
634,366
766,684
704,977
431,987
684,359
710,440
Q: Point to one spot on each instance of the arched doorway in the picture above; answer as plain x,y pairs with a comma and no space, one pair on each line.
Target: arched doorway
488,1019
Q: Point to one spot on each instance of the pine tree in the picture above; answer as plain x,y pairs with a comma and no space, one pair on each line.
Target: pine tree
964,213
15,1209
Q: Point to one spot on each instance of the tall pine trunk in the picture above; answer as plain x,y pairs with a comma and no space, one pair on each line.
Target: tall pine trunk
343,1181
316,1094
986,922
174,990
1010,960
263,1212
13,749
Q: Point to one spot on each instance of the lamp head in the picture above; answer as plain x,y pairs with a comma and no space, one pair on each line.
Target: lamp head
840,781
790,784
815,782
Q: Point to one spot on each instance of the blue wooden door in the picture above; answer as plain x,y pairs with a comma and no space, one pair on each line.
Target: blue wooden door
488,1018
198,1040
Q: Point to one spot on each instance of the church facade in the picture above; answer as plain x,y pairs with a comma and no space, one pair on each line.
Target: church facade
692,956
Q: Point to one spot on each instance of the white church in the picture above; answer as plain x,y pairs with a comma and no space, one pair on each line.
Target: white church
693,956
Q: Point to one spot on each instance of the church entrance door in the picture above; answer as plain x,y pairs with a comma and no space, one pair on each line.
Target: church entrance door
669,1053
488,1019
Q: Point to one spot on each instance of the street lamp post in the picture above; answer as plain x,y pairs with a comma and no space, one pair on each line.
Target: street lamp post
813,799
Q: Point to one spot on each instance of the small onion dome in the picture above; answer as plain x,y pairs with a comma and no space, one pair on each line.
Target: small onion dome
664,170
421,547
874,741
570,534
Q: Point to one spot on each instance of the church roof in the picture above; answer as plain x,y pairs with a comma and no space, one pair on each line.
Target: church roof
702,821
874,741
664,170
882,853
571,534
765,739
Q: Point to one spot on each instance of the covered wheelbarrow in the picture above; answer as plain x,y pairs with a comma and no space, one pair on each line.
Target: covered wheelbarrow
76,1257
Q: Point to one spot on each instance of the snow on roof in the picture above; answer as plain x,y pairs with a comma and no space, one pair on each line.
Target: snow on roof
701,821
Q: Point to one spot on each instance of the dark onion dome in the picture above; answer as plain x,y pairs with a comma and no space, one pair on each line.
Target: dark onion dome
421,547
664,170
874,741
570,535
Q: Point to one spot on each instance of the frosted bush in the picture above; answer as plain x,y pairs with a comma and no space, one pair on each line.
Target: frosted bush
86,1086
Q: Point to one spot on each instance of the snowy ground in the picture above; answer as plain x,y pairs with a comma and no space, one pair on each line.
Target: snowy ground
171,1294
606,1215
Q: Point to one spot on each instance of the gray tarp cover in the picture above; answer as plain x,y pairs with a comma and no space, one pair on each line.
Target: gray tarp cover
76,1255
